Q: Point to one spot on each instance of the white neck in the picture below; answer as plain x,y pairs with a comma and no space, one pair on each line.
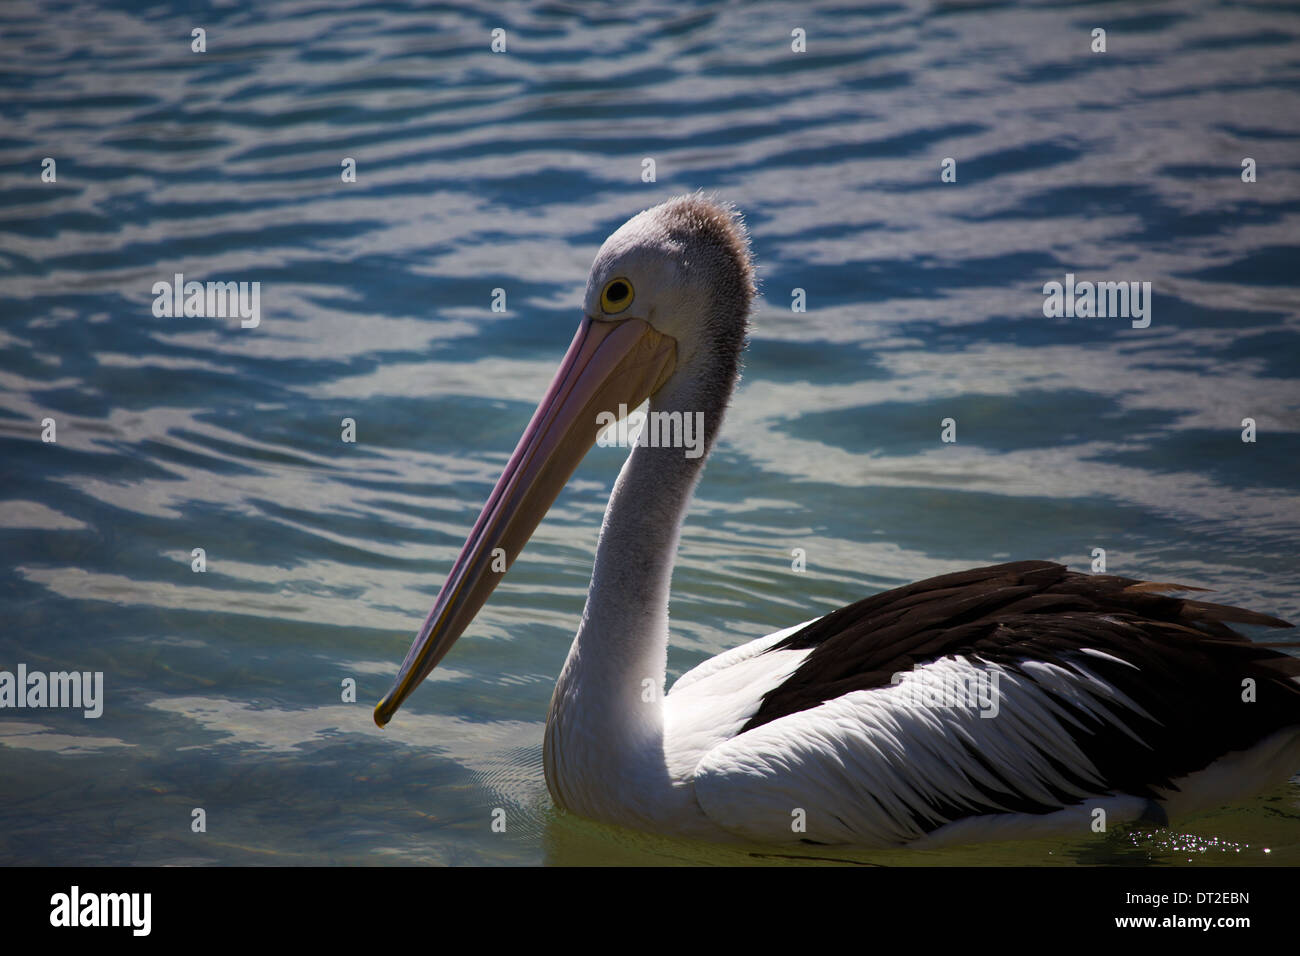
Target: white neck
604,735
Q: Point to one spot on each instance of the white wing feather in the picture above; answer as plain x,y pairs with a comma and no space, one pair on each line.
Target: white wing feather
869,767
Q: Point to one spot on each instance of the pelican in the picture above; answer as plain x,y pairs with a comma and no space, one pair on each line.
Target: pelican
1004,702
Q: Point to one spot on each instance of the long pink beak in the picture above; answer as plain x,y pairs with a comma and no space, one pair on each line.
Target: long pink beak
609,364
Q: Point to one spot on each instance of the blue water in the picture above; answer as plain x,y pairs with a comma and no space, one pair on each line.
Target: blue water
478,171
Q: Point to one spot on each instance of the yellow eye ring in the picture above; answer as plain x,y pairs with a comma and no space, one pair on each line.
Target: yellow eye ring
617,296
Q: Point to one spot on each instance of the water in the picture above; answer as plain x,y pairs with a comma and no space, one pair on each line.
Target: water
478,171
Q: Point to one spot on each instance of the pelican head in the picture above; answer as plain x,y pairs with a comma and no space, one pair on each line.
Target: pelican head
664,319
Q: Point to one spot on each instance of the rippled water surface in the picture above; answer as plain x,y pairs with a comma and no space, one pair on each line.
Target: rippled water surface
479,171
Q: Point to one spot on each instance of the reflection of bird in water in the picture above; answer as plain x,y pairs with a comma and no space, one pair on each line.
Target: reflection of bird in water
1000,702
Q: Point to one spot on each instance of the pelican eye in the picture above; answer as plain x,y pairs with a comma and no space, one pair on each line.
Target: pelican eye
617,296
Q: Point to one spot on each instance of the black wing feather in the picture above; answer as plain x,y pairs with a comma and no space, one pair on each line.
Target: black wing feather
1177,660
